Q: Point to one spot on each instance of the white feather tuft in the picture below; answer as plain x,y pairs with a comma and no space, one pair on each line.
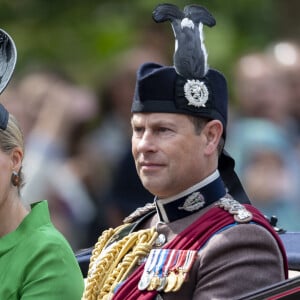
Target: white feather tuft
186,22
205,55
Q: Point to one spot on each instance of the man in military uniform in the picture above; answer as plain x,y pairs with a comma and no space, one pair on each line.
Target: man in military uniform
195,241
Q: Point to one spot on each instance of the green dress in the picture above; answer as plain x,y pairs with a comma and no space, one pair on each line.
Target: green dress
36,261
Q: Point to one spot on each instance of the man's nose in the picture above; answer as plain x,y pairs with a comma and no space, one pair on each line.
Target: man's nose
146,142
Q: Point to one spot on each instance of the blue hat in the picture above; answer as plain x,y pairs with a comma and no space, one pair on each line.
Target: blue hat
8,57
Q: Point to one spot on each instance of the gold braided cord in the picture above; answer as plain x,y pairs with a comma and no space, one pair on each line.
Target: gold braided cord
91,281
115,262
103,240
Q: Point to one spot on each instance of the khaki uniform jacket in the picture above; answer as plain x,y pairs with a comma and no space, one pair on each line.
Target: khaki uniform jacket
235,261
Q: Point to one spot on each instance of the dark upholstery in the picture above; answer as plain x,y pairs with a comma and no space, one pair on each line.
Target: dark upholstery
83,259
291,241
287,290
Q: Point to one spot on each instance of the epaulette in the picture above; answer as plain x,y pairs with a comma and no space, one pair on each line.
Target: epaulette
238,210
140,212
133,221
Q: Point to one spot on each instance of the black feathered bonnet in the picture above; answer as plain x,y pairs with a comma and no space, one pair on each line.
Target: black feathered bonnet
189,87
161,89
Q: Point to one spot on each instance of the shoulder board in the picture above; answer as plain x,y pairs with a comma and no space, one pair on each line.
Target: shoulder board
130,227
140,212
238,210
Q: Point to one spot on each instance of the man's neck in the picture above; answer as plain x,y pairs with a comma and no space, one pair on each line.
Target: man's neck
192,199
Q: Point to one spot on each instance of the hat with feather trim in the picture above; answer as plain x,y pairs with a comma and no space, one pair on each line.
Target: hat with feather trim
161,89
189,87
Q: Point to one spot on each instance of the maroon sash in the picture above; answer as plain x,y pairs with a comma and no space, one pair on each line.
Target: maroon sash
193,238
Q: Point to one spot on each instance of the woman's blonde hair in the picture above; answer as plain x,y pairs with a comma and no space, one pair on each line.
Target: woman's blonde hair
11,138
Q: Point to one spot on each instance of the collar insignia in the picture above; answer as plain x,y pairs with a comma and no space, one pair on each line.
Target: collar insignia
196,92
193,202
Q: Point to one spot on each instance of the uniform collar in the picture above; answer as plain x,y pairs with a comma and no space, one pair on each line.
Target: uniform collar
191,200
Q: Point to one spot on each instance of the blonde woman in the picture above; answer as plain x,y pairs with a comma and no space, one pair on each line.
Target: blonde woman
36,261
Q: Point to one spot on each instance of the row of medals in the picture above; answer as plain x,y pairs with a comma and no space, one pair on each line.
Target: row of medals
166,269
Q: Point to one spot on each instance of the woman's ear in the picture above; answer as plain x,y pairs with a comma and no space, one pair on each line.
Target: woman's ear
16,158
213,131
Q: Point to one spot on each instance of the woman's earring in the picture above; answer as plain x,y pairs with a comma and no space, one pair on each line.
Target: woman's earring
15,178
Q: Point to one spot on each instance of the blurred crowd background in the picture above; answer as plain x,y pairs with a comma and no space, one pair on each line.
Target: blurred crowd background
73,86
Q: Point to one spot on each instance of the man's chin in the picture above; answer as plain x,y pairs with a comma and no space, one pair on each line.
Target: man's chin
153,186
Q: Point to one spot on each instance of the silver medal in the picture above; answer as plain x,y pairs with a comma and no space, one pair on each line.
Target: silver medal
144,281
161,240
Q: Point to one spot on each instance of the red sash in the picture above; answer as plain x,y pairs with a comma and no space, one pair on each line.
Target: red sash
193,238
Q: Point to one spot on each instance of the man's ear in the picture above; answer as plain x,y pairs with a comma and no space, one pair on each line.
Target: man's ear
213,131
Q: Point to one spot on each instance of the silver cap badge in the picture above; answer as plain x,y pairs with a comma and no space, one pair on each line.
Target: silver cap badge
196,92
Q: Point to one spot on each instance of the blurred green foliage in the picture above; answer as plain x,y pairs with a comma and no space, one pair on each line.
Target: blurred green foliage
82,37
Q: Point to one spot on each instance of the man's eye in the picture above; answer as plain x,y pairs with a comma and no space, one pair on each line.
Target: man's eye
137,129
163,129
